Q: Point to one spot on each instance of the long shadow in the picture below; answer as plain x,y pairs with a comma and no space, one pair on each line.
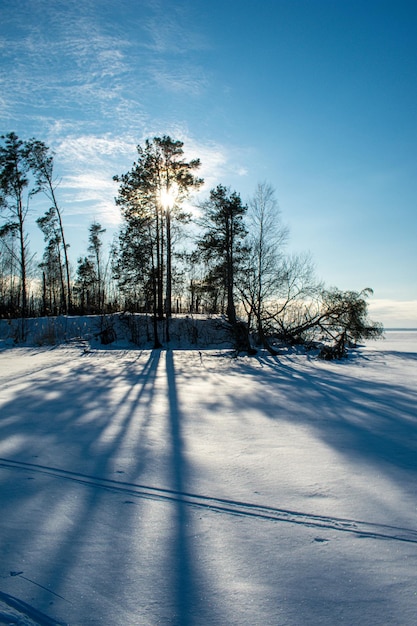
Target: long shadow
141,382
185,591
402,355
370,420
82,409
69,407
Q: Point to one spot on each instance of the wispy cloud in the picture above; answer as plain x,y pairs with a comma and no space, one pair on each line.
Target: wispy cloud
62,63
398,313
91,196
89,163
173,47
170,32
183,78
92,149
82,83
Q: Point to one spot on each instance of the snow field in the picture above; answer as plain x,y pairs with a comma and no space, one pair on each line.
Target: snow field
161,487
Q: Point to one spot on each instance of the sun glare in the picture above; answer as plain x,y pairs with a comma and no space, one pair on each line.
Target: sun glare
168,197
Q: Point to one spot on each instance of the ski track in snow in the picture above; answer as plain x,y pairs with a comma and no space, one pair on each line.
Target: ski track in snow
303,452
370,530
15,611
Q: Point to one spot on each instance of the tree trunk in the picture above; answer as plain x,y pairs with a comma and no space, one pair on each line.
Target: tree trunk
168,304
159,267
64,245
22,269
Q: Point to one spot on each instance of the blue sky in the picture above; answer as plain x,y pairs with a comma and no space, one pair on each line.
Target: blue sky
316,97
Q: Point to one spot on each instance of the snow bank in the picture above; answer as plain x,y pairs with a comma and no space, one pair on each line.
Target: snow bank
119,330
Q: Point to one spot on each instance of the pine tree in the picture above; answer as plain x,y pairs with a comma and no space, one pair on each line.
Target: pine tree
94,248
222,242
41,163
151,195
14,201
52,266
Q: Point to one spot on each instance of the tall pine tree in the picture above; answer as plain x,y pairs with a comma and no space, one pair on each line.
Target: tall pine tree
222,242
150,196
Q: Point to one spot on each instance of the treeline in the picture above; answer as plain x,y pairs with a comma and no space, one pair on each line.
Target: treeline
221,256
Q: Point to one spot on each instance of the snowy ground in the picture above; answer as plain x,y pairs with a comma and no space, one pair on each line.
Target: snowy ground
169,487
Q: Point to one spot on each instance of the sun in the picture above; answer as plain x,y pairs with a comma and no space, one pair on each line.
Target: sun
168,196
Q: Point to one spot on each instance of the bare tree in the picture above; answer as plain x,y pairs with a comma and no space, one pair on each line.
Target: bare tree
41,161
297,300
264,272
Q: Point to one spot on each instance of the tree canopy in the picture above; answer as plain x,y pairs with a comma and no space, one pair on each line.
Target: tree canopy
224,257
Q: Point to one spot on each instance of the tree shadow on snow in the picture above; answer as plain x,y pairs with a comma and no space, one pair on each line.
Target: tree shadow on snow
88,518
371,421
98,416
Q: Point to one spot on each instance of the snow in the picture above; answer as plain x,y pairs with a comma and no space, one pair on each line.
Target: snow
186,487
